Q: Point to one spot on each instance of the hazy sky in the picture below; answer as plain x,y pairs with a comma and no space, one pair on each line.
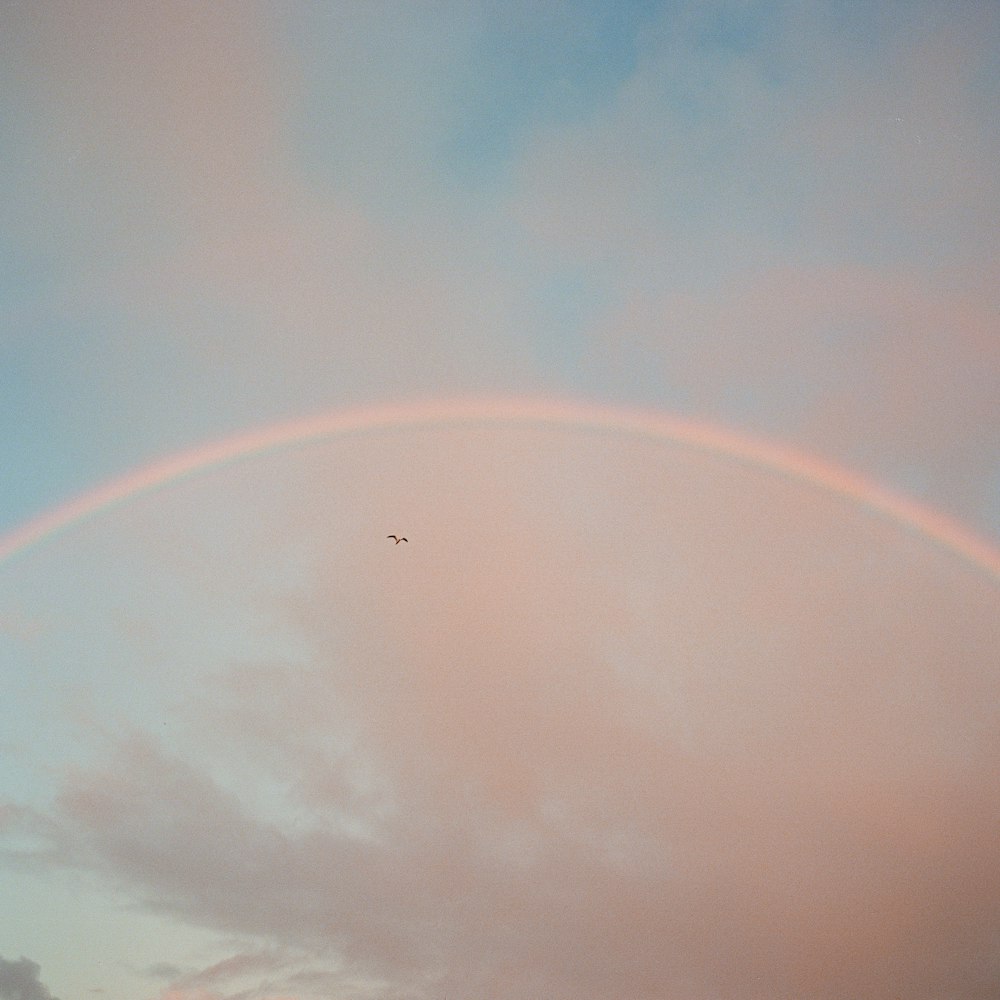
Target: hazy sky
629,716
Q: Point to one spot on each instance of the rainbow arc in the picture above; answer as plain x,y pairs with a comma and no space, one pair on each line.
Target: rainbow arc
780,459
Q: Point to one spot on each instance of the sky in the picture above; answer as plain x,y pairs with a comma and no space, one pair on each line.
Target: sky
667,333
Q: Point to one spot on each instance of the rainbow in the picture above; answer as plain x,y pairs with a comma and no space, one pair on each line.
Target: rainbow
771,456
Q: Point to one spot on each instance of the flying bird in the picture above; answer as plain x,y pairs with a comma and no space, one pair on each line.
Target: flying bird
398,539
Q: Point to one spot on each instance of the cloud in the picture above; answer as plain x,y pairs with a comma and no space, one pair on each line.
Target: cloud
163,970
193,213
290,212
253,975
882,369
19,980
794,232
621,720
739,140
618,722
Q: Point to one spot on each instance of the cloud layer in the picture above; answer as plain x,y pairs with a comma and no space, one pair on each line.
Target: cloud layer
782,218
622,719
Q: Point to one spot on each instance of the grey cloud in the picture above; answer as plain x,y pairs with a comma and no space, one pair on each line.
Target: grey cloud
163,970
19,980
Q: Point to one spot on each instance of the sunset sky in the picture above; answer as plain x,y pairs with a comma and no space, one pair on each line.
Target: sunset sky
667,333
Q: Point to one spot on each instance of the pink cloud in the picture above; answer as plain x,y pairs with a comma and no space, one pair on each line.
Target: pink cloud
879,368
622,719
213,238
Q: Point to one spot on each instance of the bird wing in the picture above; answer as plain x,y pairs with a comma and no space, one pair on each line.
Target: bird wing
404,540
392,536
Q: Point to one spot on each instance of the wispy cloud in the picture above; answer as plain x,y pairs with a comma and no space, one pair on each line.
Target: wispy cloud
270,974
796,232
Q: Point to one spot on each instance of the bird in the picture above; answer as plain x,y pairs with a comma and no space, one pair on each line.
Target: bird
398,539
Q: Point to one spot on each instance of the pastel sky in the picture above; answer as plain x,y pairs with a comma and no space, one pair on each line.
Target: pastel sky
630,715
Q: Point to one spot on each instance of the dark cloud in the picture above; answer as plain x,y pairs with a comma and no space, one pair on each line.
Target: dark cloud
19,981
163,970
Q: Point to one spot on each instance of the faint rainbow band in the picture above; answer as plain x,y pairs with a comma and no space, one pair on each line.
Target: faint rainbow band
777,458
